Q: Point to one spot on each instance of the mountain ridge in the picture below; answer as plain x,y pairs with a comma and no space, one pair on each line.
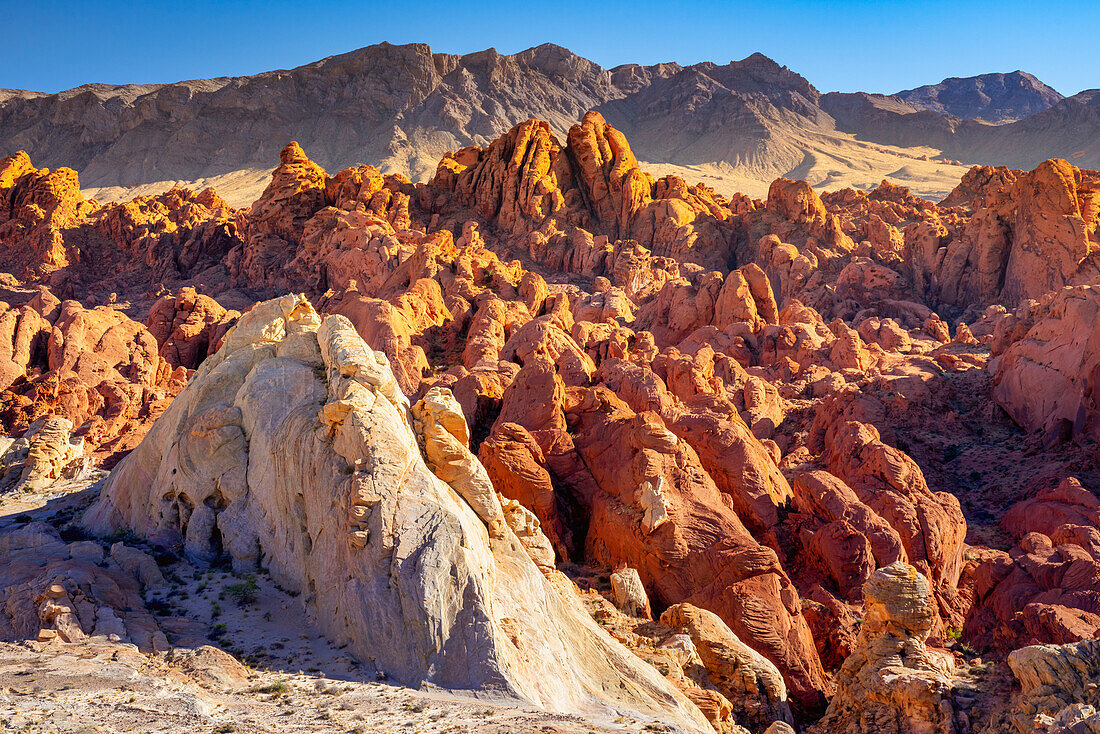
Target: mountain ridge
402,107
995,98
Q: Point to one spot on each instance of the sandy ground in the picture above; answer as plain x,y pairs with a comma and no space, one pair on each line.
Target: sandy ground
833,160
238,188
106,687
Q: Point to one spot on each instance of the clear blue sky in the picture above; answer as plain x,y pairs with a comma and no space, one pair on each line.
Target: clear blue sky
841,45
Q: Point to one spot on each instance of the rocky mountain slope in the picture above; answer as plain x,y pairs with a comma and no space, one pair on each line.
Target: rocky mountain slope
821,461
401,108
995,98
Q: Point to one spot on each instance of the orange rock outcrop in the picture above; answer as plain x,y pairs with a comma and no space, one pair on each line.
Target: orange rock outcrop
756,406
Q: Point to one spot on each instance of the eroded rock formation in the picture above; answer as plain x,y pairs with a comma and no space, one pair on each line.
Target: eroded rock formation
1058,691
293,444
1048,374
61,591
97,368
771,420
892,682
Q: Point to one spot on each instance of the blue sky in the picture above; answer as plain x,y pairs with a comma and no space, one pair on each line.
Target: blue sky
842,45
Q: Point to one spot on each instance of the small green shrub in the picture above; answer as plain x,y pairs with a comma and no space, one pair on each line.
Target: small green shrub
966,650
125,536
244,592
278,688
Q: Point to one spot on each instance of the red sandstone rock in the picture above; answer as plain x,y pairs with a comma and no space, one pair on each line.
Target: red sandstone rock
1039,592
652,406
1049,379
52,234
516,466
1068,504
1028,233
658,511
188,327
96,367
35,206
929,524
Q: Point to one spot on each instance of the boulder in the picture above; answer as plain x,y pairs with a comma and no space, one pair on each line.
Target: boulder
629,593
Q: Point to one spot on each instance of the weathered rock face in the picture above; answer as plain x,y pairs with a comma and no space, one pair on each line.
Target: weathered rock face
276,219
608,173
294,445
61,591
1058,691
1054,214
1052,509
1049,379
852,539
96,367
796,201
175,236
629,593
516,466
892,682
519,181
296,193
1002,236
655,508
929,525
1044,590
749,682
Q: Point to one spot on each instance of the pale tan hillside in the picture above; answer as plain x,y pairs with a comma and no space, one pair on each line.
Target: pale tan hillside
832,161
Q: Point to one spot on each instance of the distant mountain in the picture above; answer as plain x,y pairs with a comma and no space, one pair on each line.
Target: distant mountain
995,98
1069,129
400,107
889,119
735,126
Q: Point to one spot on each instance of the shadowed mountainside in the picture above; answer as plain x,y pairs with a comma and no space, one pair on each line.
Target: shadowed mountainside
995,98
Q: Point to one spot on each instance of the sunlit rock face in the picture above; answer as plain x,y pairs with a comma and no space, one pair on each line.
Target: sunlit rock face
292,447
